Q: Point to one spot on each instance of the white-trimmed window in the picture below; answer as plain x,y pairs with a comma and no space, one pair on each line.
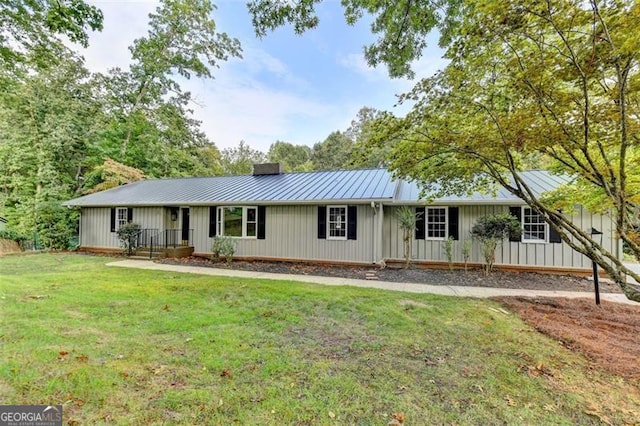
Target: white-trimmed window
241,222
436,223
121,217
337,222
534,228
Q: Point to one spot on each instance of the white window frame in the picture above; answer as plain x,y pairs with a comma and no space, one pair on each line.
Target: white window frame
344,225
220,219
121,221
523,223
426,222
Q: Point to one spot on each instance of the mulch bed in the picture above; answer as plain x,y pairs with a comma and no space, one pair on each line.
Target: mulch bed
474,278
606,334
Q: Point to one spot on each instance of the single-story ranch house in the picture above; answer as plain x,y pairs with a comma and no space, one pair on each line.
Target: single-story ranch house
346,216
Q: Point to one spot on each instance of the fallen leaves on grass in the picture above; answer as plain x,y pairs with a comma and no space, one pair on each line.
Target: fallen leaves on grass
37,296
226,373
594,411
397,418
82,358
510,401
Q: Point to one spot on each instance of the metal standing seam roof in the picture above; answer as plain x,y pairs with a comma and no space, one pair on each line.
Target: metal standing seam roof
288,188
359,186
539,181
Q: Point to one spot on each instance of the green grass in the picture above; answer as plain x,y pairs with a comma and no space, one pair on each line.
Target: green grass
140,347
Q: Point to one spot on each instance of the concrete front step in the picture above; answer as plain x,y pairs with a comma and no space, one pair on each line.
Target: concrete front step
143,252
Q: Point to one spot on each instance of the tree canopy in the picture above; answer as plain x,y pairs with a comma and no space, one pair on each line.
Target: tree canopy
402,25
64,130
28,28
553,83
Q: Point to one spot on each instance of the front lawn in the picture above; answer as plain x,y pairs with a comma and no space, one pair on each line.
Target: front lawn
138,347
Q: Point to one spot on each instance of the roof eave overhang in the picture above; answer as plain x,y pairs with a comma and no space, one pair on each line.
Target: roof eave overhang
513,202
239,202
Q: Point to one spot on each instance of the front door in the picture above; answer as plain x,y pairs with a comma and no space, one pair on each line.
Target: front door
185,224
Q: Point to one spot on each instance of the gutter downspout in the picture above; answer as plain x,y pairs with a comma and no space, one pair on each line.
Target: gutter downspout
377,224
373,233
380,234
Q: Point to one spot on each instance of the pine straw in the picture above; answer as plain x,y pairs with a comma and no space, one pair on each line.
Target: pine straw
606,334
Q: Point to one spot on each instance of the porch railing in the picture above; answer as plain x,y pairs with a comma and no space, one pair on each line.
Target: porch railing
178,237
143,239
170,238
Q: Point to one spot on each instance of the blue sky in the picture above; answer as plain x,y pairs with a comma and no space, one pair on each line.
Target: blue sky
286,87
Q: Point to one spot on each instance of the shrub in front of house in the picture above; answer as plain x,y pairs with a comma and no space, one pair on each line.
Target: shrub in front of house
223,246
128,237
491,230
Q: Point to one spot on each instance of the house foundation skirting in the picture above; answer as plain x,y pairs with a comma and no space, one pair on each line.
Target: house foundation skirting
552,270
101,250
293,260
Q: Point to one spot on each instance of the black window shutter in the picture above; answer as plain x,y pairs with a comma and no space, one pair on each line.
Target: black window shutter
212,221
129,214
420,223
517,213
352,222
322,222
262,218
453,222
554,236
113,220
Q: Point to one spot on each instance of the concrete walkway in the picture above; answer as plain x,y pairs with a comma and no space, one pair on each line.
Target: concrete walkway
462,291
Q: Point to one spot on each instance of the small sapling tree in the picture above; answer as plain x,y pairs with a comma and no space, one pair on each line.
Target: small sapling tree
447,246
407,221
491,230
466,252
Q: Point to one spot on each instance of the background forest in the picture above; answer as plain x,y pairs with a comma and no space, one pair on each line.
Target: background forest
528,84
65,132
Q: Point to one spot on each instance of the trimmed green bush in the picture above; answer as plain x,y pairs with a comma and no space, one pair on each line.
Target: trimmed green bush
223,246
128,236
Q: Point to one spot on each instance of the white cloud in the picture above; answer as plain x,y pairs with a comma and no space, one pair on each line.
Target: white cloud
124,21
238,107
256,61
357,63
259,98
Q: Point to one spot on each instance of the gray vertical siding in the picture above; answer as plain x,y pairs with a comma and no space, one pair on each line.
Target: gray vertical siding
531,254
95,223
291,233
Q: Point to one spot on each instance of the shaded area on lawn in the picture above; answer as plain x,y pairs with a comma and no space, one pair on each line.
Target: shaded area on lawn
607,334
471,278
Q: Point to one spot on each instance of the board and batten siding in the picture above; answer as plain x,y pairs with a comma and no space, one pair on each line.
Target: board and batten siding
291,232
95,223
513,253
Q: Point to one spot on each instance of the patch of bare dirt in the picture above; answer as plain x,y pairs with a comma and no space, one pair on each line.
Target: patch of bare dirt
8,246
607,334
474,278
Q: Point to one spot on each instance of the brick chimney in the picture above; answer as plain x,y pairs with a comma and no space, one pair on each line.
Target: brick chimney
267,169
